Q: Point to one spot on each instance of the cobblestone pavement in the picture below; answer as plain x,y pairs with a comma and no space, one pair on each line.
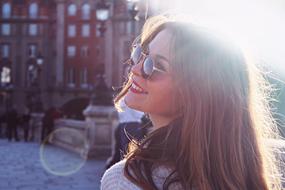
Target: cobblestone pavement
24,168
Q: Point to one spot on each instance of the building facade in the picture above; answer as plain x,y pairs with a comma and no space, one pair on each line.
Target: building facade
26,30
52,50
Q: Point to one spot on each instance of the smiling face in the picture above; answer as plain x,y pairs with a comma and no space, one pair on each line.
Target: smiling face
154,95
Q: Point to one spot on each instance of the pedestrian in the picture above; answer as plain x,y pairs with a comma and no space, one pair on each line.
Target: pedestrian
209,113
129,127
12,121
26,123
2,121
47,123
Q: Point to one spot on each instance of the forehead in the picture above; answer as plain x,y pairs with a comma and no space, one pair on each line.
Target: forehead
160,45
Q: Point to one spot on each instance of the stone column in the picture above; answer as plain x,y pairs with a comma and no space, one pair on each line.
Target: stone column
59,68
100,121
108,56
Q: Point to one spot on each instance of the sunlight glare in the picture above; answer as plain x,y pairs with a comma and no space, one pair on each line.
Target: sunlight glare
255,25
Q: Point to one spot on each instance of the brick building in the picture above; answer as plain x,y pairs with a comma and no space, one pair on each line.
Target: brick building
64,33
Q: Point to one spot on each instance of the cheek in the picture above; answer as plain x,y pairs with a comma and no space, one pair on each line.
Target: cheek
161,100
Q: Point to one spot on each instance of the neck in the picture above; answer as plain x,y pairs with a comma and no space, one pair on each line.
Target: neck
159,121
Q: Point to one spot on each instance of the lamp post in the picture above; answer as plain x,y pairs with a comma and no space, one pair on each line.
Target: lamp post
101,93
133,12
102,15
133,9
34,79
40,61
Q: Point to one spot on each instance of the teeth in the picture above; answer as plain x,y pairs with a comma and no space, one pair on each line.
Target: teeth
137,88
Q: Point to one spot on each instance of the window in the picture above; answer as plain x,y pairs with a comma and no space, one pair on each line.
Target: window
71,77
33,10
84,51
85,32
33,29
32,50
71,51
6,10
86,11
72,10
6,29
71,30
5,50
84,77
5,75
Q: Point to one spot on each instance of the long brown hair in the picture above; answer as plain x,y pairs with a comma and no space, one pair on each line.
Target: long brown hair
219,140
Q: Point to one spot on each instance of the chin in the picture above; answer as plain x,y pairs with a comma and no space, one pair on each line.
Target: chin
133,104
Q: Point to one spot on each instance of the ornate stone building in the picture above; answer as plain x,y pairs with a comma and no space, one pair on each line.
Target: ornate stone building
52,50
27,28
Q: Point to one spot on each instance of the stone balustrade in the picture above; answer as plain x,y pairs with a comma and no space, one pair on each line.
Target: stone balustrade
100,122
89,138
69,134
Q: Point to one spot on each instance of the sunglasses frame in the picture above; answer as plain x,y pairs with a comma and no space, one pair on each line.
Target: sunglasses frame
143,57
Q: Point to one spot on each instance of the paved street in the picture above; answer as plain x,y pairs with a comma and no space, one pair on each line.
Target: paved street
25,166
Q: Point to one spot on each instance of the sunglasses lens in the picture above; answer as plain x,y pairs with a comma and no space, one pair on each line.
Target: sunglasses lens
148,66
135,56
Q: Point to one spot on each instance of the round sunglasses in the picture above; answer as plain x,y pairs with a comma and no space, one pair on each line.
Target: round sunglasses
148,66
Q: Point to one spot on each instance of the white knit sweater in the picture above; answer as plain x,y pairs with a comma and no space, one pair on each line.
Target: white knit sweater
114,178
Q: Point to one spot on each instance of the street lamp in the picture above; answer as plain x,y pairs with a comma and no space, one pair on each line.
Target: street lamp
133,12
133,9
101,93
40,61
102,15
34,78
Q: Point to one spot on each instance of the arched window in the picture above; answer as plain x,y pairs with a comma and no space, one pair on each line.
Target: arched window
86,11
33,10
6,10
72,10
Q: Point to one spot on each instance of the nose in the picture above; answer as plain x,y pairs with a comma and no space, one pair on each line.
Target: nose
136,69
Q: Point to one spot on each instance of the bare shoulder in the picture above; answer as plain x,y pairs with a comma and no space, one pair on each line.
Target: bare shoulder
114,179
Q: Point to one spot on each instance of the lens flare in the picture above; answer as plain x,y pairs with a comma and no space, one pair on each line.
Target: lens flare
59,161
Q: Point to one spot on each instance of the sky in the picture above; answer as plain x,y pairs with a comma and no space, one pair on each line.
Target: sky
256,25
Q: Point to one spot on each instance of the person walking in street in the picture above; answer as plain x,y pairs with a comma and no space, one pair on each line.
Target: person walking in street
2,127
26,123
12,121
47,123
209,109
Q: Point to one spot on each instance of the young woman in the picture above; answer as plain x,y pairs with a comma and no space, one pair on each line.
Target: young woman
209,111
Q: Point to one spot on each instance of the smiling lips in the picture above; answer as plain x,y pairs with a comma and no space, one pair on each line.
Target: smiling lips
135,88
